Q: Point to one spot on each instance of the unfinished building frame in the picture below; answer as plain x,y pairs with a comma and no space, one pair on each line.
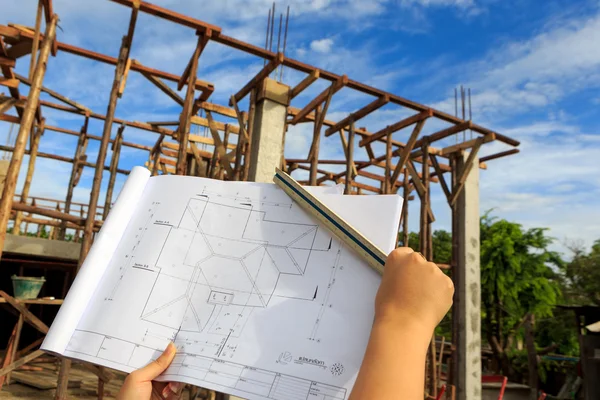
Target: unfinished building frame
249,148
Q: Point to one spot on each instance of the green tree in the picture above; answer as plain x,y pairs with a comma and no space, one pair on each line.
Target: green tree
582,275
516,280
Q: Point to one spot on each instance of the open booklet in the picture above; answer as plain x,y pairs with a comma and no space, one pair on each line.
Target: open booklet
261,301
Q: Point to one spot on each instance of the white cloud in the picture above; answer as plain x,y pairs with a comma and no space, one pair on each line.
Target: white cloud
321,45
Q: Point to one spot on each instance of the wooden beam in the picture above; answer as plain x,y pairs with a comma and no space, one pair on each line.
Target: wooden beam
21,361
440,175
8,62
161,85
11,83
462,178
219,147
29,317
54,94
357,115
405,154
413,119
218,109
24,129
499,155
335,87
185,77
19,49
444,133
124,78
415,178
350,158
200,84
305,83
468,144
185,122
259,77
169,15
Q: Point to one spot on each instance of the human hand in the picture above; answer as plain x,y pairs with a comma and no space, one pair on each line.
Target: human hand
413,291
139,385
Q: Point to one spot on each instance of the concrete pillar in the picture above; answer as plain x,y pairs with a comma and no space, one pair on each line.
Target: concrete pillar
467,277
272,99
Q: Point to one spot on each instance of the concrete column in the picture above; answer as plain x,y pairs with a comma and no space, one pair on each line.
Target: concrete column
467,277
272,99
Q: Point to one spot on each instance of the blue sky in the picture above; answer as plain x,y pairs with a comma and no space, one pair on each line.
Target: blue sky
533,69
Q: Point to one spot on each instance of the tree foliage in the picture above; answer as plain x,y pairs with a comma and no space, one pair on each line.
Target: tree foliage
516,280
582,276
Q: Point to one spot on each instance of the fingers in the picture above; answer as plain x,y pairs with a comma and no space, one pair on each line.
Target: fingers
158,366
173,390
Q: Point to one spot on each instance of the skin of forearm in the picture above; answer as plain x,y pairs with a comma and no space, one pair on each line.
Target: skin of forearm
394,362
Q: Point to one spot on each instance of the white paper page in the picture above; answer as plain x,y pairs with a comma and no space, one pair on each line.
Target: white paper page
96,262
260,300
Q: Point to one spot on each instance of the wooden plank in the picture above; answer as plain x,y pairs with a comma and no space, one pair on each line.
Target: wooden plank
305,83
34,380
444,133
440,175
124,78
218,109
27,315
350,158
357,115
259,77
335,87
196,120
498,155
415,178
10,83
219,147
19,49
396,127
6,104
207,140
7,62
21,361
490,137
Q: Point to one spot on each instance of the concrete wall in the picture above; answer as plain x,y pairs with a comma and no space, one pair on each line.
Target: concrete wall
34,246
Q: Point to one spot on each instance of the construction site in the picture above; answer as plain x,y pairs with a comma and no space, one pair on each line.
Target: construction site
242,139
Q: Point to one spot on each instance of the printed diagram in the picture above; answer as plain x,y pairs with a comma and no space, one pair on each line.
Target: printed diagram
222,261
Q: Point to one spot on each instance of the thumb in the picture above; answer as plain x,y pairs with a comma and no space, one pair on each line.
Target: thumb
158,366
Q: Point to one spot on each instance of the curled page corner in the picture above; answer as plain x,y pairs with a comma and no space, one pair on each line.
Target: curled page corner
95,264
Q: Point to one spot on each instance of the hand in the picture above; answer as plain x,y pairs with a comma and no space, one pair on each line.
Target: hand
413,291
139,385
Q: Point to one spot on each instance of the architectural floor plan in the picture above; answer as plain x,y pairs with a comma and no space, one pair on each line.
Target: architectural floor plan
259,299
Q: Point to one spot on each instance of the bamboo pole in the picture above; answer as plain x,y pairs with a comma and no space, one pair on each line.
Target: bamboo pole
34,145
114,163
29,112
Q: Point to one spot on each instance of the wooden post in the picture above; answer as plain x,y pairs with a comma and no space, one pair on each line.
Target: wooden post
314,150
183,131
79,156
349,160
531,356
88,232
33,149
406,193
225,142
114,164
388,185
15,346
33,97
